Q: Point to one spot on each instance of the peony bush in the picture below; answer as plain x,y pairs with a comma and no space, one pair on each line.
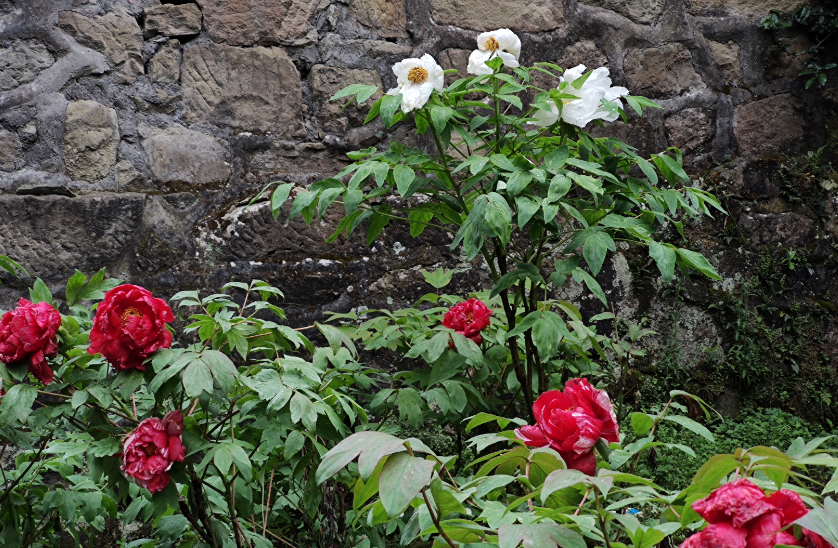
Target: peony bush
235,430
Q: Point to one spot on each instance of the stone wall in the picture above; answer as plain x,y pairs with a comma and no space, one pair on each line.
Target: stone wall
134,132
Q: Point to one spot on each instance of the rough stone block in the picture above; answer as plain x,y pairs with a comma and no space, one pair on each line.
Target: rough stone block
387,17
91,137
264,22
690,128
585,53
726,56
54,235
116,35
484,15
640,11
770,125
788,229
179,155
9,150
21,62
660,72
752,9
253,89
326,81
164,67
172,20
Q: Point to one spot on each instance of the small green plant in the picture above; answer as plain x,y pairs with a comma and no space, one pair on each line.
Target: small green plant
819,24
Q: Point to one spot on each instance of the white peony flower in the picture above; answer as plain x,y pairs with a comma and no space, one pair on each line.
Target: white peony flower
502,43
417,79
589,105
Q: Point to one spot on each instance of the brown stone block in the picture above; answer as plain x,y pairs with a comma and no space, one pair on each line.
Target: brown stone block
172,20
253,89
91,136
487,15
661,72
769,125
264,22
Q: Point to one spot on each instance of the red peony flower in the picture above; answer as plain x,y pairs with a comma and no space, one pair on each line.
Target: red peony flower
741,516
571,422
468,319
129,326
149,451
28,332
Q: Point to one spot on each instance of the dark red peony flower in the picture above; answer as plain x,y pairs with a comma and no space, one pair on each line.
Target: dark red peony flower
468,319
129,326
29,333
596,403
741,516
149,451
571,422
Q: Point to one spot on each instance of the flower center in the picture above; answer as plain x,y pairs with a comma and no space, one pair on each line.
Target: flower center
492,44
149,450
470,317
130,312
417,75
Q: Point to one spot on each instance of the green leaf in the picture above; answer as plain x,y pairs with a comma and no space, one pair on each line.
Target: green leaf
401,480
698,262
279,197
345,452
440,116
596,247
410,406
419,219
389,105
336,338
303,410
690,424
79,398
556,159
380,218
197,378
665,257
641,423
823,521
581,276
498,216
302,201
538,535
518,182
39,293
527,207
403,175
502,162
439,278
559,186
17,403
74,286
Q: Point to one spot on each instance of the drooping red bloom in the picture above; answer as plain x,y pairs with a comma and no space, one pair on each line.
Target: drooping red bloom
741,516
468,319
29,333
130,325
149,451
571,422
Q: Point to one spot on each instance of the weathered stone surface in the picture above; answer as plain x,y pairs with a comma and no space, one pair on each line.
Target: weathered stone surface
754,9
787,229
454,58
640,11
264,22
325,81
483,15
660,72
690,128
289,158
9,150
179,155
164,67
91,136
53,235
337,51
116,35
387,17
726,56
254,89
769,125
172,20
21,62
585,53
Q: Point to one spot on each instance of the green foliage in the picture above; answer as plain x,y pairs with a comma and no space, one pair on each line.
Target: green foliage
12,267
819,24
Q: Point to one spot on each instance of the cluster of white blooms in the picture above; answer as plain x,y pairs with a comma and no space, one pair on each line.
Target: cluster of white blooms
417,78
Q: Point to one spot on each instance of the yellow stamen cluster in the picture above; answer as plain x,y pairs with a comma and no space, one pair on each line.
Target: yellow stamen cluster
492,44
130,312
418,75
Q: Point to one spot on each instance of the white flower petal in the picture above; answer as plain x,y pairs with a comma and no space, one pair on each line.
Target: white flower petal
615,92
509,60
477,62
572,74
415,96
544,118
